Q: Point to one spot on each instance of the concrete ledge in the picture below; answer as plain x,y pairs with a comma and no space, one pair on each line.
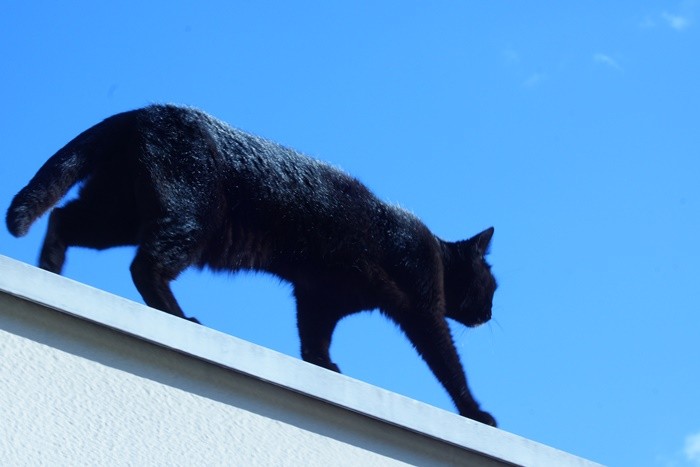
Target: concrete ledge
322,417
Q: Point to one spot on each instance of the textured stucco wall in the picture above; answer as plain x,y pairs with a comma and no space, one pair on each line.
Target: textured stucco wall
88,378
73,393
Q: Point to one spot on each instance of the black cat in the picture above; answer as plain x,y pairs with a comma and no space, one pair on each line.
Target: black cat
187,189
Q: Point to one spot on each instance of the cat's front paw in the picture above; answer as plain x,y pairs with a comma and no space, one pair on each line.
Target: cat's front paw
328,365
484,417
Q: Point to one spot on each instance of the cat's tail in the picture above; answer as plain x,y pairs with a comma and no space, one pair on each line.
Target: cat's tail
70,165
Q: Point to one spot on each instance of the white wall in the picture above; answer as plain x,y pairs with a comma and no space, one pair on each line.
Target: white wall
87,378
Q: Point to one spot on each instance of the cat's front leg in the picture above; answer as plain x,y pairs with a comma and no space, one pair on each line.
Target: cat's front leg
430,335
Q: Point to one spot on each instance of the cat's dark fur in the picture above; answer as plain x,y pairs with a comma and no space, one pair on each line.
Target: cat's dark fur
187,189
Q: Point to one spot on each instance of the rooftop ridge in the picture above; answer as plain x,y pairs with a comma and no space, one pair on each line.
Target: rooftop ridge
69,297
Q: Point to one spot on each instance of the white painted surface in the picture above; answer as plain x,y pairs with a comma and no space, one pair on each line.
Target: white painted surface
88,378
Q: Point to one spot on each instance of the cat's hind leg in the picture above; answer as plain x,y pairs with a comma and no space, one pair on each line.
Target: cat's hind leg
165,252
79,224
316,321
53,251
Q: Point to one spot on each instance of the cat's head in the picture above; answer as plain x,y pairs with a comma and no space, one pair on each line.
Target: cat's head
469,284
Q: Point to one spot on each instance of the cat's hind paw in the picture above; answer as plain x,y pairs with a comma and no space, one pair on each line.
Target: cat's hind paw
193,319
322,362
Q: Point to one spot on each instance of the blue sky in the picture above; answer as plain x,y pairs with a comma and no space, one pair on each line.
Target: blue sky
572,128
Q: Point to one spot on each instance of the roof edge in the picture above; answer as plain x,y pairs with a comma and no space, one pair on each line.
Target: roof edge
97,306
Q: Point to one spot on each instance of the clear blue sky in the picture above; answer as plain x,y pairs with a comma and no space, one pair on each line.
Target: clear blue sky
571,127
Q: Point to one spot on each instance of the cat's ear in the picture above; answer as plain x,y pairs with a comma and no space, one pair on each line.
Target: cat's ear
482,240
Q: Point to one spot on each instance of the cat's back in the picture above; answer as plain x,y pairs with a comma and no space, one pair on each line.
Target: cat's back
184,143
190,132
263,190
258,173
264,169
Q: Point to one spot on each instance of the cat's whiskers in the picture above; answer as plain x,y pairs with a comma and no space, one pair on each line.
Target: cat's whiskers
495,321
